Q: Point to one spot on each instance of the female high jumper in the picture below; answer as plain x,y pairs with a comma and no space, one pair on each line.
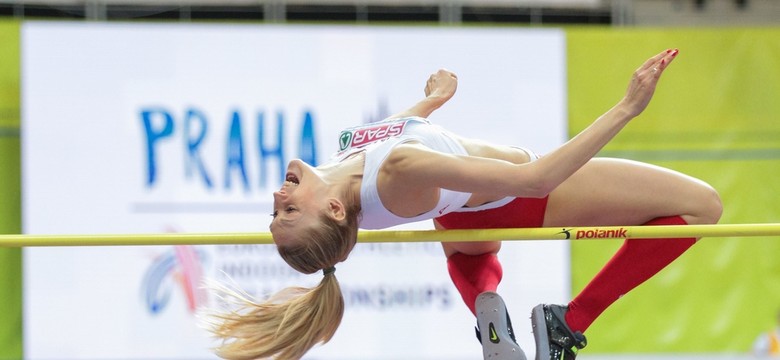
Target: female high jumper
418,170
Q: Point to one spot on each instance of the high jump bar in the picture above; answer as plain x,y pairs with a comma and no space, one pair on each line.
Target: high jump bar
389,236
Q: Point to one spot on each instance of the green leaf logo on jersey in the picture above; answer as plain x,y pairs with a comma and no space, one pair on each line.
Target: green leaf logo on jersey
345,139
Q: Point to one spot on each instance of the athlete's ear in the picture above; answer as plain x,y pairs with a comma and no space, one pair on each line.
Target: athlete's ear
336,209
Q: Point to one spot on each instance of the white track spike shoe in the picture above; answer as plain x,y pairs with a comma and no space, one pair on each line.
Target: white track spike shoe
494,329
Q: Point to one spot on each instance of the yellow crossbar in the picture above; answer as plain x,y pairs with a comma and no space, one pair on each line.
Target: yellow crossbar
573,233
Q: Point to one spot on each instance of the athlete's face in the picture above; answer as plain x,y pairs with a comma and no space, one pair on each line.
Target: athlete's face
298,203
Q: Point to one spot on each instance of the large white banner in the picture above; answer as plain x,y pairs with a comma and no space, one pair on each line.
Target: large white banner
139,128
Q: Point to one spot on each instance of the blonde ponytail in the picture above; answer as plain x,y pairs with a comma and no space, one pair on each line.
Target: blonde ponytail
285,326
291,322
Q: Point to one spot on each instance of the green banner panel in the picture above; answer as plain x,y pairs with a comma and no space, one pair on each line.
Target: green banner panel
715,117
9,75
10,208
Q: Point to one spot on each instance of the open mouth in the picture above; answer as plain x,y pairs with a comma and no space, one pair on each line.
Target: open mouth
291,179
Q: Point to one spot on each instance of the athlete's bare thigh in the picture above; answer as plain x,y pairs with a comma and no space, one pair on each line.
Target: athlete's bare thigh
624,192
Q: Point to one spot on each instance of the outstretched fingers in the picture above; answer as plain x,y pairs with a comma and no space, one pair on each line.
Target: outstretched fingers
656,64
643,83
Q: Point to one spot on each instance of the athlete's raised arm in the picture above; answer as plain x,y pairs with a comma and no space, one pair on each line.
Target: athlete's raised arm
439,88
415,164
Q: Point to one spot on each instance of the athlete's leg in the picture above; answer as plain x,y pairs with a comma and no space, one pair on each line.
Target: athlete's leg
476,271
474,266
623,192
620,192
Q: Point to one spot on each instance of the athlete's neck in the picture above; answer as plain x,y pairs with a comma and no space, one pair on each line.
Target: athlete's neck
344,177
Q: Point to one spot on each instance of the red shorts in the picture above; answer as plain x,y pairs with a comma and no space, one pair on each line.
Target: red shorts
519,213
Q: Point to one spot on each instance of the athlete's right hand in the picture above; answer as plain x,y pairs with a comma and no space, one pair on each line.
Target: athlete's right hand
441,85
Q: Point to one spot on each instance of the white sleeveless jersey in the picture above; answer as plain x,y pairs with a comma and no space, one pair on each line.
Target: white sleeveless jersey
378,140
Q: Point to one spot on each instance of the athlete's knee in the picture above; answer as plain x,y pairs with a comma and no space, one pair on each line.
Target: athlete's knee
471,248
714,206
709,207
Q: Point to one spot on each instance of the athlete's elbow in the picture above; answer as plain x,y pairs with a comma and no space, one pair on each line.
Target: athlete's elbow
535,186
539,191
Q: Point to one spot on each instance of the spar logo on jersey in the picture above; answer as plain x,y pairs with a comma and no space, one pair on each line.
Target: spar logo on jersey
365,135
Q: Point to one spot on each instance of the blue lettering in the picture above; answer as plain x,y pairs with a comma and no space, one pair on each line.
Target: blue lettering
160,126
152,136
235,152
308,147
267,152
193,159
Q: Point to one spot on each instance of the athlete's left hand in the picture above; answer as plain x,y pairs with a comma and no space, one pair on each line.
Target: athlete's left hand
644,81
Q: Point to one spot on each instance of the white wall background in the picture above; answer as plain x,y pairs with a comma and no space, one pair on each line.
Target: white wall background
85,86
